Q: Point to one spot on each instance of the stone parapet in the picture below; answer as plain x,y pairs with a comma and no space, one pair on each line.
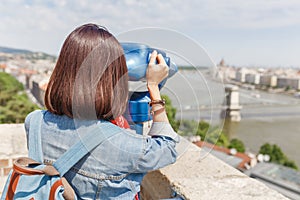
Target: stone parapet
196,178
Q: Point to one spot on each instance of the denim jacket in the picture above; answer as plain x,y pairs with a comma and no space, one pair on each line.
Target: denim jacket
114,169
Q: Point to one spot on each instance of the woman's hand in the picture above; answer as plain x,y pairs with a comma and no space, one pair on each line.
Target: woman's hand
156,72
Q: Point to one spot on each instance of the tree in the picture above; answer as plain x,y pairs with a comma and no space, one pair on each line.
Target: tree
287,88
187,127
219,138
277,156
14,103
202,129
212,135
266,149
291,164
237,144
171,113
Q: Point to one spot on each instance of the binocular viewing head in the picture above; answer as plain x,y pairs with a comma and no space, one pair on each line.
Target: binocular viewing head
137,58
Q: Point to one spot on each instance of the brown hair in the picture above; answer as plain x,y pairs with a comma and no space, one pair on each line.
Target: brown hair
90,78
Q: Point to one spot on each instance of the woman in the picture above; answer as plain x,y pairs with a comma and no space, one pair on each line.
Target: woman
88,85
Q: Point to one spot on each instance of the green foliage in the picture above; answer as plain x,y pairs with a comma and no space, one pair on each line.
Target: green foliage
237,144
14,103
202,129
266,149
287,88
212,135
171,113
188,127
291,164
9,86
217,137
276,155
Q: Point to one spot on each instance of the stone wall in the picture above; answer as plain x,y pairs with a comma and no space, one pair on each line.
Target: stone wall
12,145
198,175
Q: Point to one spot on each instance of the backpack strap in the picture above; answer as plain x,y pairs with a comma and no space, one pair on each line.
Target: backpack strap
86,144
34,136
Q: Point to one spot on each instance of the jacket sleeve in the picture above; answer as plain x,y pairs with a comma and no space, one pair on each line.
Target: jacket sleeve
159,149
27,125
163,129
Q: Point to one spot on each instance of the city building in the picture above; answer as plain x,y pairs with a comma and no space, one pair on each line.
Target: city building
240,75
283,179
2,67
252,78
284,82
268,80
38,87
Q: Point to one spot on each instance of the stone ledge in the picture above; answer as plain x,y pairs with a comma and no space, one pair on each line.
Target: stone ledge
13,144
13,141
208,178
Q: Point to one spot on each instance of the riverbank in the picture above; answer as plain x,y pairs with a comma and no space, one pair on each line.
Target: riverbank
283,131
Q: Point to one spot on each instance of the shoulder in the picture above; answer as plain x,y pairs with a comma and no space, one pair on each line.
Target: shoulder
30,115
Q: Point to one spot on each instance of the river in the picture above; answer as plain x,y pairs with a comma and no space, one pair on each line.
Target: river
266,117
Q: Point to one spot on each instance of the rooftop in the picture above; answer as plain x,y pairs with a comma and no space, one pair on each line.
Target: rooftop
283,179
238,160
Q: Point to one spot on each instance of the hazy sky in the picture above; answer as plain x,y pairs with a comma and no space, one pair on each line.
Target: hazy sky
242,32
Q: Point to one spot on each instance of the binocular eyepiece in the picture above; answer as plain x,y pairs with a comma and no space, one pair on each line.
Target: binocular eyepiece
137,59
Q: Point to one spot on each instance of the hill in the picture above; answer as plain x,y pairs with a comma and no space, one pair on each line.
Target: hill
26,54
13,50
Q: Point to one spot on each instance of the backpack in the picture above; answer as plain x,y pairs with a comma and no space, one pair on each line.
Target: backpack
30,179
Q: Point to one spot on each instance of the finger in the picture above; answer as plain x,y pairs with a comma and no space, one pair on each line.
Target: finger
161,59
166,70
153,57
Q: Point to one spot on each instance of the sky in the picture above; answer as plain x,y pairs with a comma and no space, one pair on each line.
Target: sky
243,33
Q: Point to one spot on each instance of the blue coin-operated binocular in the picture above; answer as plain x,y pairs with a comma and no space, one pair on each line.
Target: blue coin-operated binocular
137,59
